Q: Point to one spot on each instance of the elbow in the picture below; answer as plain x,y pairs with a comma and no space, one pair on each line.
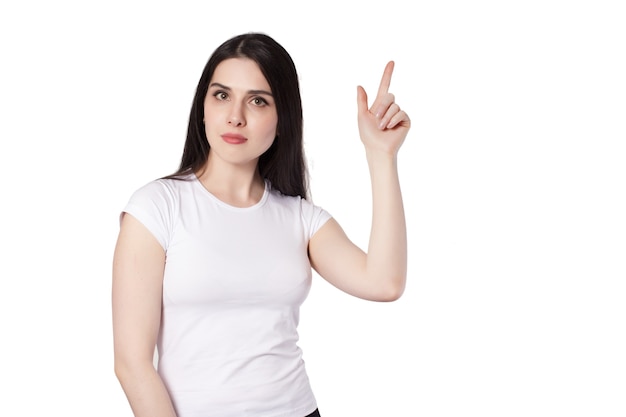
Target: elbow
391,296
126,369
393,290
121,370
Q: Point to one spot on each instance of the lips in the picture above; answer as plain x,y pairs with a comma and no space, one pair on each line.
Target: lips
233,138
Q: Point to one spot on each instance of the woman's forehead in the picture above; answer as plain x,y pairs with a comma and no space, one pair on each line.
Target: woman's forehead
240,74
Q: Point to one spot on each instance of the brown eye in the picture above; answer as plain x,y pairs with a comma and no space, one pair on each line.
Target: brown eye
258,101
220,95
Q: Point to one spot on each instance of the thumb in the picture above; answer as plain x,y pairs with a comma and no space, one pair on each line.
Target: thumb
361,99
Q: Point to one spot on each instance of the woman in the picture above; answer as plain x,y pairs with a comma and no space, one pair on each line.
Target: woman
213,262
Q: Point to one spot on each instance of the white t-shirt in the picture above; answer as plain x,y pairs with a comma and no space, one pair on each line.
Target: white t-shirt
233,285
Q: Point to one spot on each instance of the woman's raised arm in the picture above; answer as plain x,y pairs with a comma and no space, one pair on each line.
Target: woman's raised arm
380,273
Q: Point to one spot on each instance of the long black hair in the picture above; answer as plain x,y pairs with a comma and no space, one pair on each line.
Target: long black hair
283,164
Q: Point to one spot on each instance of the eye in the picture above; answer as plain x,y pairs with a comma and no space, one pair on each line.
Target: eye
220,95
259,101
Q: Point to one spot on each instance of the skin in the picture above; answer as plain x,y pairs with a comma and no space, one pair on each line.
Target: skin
380,273
234,105
238,102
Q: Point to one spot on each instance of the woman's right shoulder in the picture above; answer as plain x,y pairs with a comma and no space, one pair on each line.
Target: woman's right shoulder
165,187
157,204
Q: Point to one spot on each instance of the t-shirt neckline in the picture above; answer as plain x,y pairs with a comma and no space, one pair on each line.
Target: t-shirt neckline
213,197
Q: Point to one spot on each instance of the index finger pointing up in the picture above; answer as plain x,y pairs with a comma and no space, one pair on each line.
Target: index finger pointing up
386,80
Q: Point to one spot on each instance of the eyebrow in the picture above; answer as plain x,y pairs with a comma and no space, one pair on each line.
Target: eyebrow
267,93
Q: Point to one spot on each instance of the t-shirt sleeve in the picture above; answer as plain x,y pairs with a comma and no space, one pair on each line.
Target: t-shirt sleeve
153,206
314,217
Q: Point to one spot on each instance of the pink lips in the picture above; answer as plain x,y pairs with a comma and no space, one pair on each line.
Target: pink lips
233,138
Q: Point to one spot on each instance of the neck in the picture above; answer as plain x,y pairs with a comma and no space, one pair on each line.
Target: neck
237,185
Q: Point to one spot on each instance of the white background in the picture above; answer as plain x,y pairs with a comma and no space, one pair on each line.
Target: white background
513,173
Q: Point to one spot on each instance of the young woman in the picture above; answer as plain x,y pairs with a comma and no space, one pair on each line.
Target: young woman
213,262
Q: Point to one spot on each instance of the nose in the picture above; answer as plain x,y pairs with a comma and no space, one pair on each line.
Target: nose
236,117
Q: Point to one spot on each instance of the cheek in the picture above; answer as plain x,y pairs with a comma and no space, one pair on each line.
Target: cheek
210,122
268,127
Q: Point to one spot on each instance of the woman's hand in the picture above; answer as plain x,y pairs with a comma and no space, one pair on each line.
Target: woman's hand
383,126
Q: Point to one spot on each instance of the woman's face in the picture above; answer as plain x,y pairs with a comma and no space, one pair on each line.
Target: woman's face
240,114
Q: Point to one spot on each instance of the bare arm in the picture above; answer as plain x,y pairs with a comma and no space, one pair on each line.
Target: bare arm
138,268
380,273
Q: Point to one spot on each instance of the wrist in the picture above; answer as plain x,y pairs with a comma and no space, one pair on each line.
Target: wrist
380,157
